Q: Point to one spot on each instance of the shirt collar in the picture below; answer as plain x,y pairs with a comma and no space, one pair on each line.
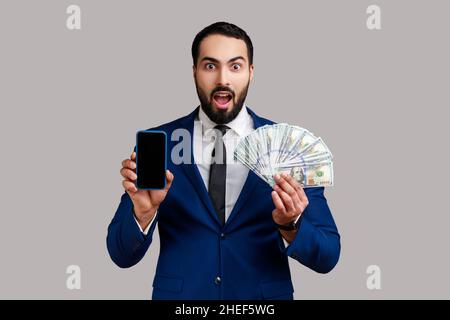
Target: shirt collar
242,124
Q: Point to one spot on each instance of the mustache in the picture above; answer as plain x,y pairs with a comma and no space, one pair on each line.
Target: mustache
226,89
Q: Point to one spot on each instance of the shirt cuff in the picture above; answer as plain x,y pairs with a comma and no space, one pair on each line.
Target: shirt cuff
148,227
286,244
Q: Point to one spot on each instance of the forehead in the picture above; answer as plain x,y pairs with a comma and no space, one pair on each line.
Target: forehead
222,48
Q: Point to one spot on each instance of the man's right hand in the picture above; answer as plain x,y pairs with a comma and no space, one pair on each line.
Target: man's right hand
145,202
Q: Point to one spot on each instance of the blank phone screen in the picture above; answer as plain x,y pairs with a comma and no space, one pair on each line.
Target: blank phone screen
151,160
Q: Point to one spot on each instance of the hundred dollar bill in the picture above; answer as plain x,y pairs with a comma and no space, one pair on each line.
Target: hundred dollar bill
276,148
310,176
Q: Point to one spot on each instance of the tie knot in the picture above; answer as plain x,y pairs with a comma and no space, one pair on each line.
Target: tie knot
223,128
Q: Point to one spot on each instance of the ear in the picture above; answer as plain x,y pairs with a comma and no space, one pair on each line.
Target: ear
194,70
251,72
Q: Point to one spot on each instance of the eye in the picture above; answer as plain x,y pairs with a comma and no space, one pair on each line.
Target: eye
210,66
236,66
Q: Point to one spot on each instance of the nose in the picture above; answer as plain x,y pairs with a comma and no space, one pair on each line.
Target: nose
222,78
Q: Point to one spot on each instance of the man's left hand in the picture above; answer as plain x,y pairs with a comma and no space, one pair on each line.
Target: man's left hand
289,198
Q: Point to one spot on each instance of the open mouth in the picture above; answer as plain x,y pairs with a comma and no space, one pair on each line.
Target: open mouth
222,99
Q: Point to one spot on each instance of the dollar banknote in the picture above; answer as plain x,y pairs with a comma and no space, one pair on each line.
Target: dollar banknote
284,148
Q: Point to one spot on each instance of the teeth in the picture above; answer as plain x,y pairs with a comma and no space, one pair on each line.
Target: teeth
223,94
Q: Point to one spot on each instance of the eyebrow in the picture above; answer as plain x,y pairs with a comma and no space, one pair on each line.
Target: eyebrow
217,61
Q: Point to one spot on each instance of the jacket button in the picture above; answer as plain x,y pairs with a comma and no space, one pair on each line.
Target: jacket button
217,280
222,235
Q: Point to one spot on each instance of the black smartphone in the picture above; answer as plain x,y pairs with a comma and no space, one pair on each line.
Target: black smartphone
151,159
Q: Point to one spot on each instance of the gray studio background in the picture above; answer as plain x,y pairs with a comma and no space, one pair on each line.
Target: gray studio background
71,102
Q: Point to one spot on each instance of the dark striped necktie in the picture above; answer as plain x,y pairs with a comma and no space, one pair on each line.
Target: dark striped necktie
218,173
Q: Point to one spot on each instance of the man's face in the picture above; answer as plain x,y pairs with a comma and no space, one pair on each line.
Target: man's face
222,77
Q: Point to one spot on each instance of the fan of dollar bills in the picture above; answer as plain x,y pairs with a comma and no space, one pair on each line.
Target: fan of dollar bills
278,148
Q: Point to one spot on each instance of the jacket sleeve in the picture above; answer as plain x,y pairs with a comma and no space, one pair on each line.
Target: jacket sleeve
125,242
317,243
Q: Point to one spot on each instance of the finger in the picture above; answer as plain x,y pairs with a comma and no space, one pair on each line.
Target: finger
130,164
302,195
287,201
278,202
297,202
129,186
277,178
298,188
169,179
128,174
287,188
133,156
285,185
292,182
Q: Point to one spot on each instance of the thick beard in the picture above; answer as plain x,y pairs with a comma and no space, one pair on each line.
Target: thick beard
221,116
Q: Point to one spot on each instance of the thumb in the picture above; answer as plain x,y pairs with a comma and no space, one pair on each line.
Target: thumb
169,179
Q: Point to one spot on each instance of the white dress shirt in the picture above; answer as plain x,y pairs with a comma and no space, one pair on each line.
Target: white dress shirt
203,146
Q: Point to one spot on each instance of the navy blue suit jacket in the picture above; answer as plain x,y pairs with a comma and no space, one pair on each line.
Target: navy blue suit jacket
247,253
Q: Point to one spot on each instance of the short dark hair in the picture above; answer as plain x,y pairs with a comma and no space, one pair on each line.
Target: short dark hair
222,28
